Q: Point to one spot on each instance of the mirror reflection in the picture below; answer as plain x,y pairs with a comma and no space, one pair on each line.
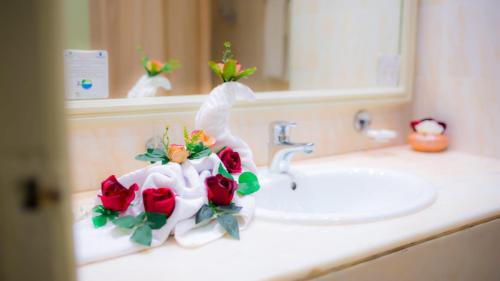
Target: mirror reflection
294,44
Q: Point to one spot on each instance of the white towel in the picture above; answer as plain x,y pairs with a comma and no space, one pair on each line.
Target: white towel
213,118
188,233
109,241
188,183
147,86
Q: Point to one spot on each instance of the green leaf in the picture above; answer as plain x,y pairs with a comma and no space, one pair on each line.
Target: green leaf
228,209
204,213
153,157
170,65
215,68
156,220
156,152
221,149
245,73
99,221
128,222
198,150
204,153
185,133
224,172
98,209
229,70
143,235
248,183
230,224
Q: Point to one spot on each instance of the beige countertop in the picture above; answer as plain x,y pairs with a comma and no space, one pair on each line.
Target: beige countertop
468,193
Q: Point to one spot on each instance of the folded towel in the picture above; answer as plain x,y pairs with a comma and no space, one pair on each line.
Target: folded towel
147,86
188,233
109,241
187,181
213,118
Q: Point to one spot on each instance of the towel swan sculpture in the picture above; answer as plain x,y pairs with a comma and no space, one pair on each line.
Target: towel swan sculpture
213,118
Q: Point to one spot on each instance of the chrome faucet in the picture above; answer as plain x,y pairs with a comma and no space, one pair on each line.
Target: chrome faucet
281,149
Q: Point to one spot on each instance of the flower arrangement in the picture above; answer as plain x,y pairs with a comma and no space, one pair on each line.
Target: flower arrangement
159,203
156,67
197,191
149,83
229,69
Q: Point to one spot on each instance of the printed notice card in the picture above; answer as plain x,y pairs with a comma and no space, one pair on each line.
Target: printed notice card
86,74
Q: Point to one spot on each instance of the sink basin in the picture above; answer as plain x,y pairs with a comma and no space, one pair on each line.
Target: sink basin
325,194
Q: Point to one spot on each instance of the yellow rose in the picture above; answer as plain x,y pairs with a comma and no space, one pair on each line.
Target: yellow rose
177,153
203,137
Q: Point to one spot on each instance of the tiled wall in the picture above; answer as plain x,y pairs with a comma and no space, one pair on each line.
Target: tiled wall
342,41
109,148
458,71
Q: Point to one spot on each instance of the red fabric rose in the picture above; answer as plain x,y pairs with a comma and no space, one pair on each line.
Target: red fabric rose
114,196
159,200
231,160
220,190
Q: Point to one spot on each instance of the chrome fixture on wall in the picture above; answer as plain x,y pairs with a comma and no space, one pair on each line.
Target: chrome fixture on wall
282,149
362,122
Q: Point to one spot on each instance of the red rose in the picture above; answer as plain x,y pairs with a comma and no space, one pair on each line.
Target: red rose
159,200
220,190
114,196
231,160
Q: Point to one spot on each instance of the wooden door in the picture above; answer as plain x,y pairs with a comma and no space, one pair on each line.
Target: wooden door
35,213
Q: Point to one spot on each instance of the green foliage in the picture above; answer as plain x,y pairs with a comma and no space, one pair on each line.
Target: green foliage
194,146
153,155
224,172
227,53
143,224
203,214
224,216
127,222
156,220
248,183
99,221
102,215
142,235
230,224
154,70
229,71
228,209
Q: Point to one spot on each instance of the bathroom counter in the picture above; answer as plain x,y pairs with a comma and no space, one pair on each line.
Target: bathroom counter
468,194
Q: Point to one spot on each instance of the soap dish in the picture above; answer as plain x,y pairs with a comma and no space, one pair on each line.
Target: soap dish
428,135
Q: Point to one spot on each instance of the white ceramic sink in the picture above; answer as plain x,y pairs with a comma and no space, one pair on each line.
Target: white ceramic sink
341,195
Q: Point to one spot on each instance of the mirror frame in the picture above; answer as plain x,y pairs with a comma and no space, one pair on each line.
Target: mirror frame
109,108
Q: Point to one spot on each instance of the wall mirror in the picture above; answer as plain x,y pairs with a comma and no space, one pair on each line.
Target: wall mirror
299,46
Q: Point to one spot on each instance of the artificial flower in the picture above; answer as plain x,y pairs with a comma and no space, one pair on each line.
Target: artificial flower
177,153
231,160
229,69
114,196
159,200
203,137
220,190
155,67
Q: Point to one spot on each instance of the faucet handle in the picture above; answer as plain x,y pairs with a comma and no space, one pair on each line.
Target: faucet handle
280,131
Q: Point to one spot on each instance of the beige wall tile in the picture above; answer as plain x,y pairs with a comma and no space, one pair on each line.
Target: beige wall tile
458,71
